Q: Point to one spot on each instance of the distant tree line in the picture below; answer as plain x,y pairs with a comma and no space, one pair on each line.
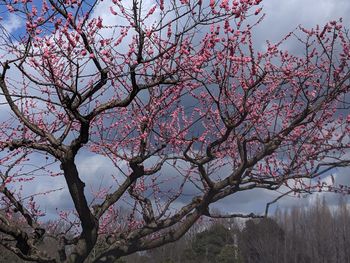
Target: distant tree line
319,233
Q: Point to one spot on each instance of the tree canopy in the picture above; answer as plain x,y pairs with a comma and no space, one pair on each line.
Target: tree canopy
179,98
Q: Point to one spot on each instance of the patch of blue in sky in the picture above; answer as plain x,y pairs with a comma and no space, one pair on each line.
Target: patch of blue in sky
19,15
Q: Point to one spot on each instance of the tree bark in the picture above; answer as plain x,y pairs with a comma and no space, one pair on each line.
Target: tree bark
89,223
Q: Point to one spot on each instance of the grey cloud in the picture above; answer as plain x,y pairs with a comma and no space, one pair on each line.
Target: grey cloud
282,16
96,171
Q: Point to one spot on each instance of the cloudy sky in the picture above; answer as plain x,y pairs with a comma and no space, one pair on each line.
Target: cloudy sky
282,17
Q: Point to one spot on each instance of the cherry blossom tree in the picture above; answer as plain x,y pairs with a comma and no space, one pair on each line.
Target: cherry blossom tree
158,84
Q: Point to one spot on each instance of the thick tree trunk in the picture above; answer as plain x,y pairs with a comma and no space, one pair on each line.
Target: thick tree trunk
89,223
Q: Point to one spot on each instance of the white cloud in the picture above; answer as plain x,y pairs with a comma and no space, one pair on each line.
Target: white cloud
12,23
